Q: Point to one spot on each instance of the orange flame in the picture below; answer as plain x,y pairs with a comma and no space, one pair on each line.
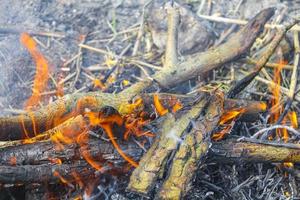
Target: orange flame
105,122
277,108
276,92
69,133
133,126
263,106
230,115
158,106
62,179
23,126
91,161
284,132
109,132
227,117
82,140
129,108
95,119
220,135
33,123
294,119
42,73
176,107
76,134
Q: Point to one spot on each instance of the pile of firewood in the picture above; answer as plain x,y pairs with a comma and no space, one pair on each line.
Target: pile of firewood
81,136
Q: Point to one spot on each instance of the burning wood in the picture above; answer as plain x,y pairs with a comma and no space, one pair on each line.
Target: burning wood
159,138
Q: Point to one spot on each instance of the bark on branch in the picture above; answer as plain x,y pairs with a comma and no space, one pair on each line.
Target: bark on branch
32,161
233,151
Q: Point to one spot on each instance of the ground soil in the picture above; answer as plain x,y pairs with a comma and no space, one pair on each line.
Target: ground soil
78,17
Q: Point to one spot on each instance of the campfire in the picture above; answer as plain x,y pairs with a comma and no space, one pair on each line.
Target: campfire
184,104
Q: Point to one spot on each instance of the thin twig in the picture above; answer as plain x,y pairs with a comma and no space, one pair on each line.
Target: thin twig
130,60
294,76
16,30
290,129
141,30
244,22
172,37
271,84
78,64
269,64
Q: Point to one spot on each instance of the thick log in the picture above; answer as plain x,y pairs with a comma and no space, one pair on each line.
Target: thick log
45,152
152,163
233,151
44,173
30,158
191,152
36,122
70,128
229,150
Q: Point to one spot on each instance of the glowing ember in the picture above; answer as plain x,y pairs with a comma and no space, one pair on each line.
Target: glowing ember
263,106
55,161
288,165
42,73
98,84
13,161
176,107
158,106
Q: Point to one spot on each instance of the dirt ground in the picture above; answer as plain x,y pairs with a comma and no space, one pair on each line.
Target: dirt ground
100,19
